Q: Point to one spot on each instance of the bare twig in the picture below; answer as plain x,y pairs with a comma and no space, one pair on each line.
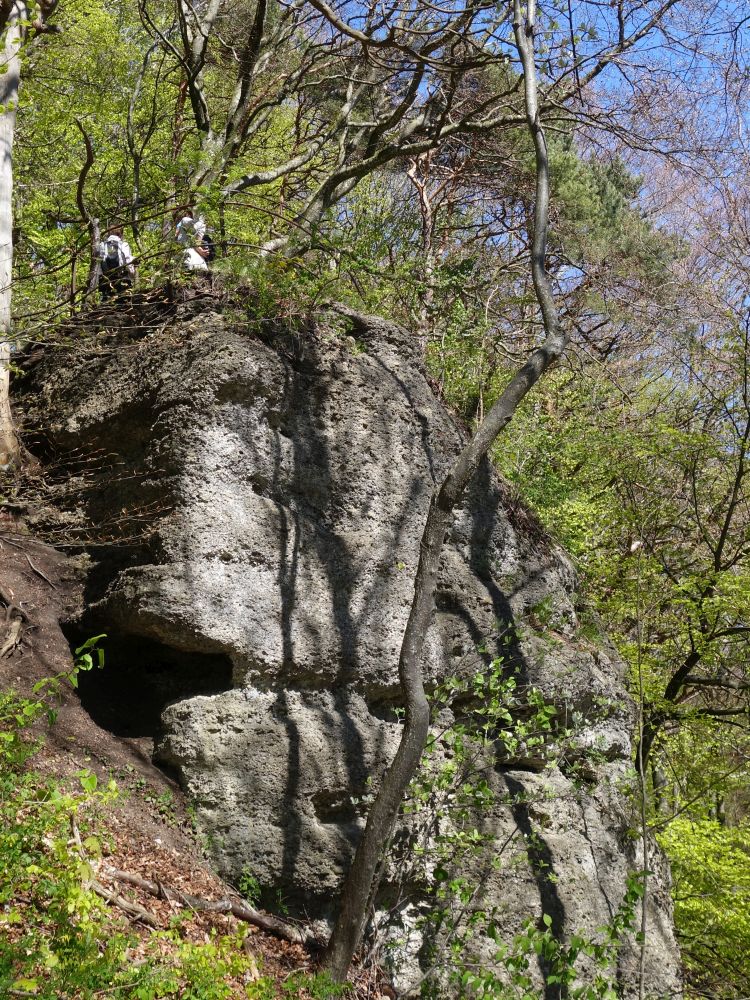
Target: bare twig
91,223
39,572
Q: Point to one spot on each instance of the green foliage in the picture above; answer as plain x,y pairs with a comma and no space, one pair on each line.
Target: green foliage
587,456
198,971
262,989
596,219
58,939
85,658
50,918
711,873
318,986
646,487
249,886
559,960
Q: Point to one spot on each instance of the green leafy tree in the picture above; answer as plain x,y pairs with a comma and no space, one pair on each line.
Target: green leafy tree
711,890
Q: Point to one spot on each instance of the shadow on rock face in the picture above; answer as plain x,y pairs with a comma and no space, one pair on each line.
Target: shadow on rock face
276,489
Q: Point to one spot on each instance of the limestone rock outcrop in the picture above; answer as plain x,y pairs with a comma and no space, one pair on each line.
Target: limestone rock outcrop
268,489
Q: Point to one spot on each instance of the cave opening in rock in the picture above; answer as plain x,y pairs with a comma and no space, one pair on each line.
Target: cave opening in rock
140,678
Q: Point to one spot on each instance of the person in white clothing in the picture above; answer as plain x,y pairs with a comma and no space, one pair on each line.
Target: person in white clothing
189,234
116,264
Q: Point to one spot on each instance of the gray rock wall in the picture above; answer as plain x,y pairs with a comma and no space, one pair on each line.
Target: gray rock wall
284,480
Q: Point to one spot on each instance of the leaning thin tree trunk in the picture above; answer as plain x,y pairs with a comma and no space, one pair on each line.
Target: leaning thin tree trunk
9,84
92,224
360,885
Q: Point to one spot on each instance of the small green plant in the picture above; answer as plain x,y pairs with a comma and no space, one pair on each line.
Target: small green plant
58,938
85,658
355,347
262,989
249,886
559,960
478,723
317,986
544,611
162,802
88,655
280,904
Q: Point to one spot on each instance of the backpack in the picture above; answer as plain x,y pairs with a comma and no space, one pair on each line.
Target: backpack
114,256
210,247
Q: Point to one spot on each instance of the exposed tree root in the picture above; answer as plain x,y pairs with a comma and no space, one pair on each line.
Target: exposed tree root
39,572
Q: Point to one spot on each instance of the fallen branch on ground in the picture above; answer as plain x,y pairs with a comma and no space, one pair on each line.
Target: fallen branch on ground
15,631
133,909
39,572
241,910
16,619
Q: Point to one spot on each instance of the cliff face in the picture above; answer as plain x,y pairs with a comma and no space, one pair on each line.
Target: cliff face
267,492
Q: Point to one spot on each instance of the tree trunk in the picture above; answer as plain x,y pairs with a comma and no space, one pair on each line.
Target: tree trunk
9,84
361,883
92,224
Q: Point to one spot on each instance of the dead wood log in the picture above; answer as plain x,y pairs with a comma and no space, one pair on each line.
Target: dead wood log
16,619
11,608
241,910
15,631
133,909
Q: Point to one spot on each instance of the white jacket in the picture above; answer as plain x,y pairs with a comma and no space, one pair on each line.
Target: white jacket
192,260
124,256
190,231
